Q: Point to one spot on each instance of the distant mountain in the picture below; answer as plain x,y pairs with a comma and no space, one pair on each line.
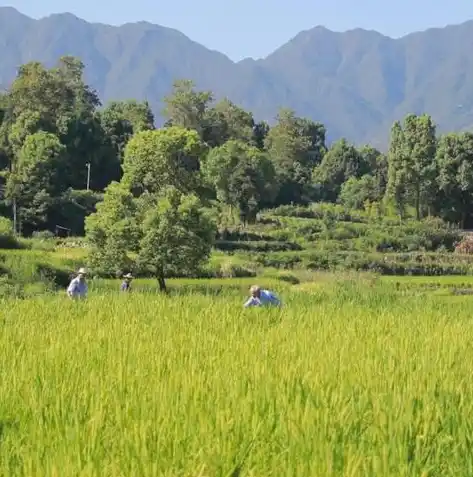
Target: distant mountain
357,82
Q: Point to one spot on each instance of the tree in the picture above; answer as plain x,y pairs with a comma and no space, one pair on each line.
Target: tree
164,157
177,236
170,233
121,119
113,230
32,184
412,166
396,187
243,177
455,177
378,165
186,107
226,121
355,192
260,132
339,164
294,146
58,101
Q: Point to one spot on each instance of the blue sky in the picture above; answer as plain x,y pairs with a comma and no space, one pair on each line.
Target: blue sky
242,28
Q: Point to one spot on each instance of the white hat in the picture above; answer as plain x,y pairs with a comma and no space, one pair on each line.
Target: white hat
82,271
128,275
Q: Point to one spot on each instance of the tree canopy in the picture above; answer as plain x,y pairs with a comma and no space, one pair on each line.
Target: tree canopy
57,139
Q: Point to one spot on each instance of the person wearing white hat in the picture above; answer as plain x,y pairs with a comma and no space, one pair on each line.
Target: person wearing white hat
78,286
261,297
126,284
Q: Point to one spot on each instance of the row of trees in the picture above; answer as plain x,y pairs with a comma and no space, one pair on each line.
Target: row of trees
155,186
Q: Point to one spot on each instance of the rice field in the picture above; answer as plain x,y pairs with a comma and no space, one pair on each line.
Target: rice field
350,378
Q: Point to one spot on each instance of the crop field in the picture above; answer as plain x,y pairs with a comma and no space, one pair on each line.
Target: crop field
353,377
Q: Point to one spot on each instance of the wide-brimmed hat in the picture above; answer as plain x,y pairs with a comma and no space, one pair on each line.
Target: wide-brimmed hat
255,289
128,275
82,271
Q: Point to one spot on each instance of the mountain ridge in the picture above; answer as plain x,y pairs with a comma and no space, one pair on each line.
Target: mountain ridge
356,82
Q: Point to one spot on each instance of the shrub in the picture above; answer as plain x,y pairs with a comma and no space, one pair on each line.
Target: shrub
258,246
7,237
231,270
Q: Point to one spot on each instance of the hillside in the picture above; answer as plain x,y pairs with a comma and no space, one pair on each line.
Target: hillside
355,82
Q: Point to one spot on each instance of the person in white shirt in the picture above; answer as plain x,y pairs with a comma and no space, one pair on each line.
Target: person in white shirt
261,297
78,286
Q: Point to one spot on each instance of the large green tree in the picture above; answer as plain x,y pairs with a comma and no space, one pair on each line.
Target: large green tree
342,162
177,236
455,177
296,146
113,231
168,232
243,177
186,107
412,164
163,157
32,185
121,119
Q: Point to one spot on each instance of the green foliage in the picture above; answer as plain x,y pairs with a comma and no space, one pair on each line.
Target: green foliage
296,146
7,236
412,165
342,161
176,236
263,184
113,230
455,164
72,208
163,157
186,107
243,177
356,192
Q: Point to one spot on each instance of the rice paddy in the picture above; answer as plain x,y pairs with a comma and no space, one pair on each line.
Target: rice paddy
351,378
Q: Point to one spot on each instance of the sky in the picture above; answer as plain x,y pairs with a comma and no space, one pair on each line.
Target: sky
255,28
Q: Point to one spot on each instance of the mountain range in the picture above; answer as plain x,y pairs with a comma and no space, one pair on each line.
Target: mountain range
356,82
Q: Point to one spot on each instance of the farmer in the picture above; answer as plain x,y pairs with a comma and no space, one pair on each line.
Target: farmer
126,284
78,286
261,297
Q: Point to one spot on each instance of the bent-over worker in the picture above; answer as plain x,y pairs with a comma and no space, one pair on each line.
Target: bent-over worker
261,297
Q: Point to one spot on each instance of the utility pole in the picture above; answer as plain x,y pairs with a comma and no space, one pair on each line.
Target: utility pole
14,216
88,175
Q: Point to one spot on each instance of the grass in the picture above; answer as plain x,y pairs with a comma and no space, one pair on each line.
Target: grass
353,378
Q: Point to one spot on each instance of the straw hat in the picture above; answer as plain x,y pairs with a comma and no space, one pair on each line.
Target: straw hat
82,271
128,275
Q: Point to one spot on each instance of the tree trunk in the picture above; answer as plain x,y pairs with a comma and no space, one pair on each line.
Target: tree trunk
417,203
162,283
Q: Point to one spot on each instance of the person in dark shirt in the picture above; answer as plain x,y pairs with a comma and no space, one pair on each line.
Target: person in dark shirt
126,284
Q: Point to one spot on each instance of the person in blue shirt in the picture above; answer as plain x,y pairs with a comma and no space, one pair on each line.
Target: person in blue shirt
126,285
261,297
78,286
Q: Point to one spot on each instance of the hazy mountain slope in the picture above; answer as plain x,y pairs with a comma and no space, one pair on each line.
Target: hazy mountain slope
356,82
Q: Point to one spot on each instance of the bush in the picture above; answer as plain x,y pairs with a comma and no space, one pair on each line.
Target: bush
288,278
7,237
243,235
230,270
278,260
259,246
319,211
